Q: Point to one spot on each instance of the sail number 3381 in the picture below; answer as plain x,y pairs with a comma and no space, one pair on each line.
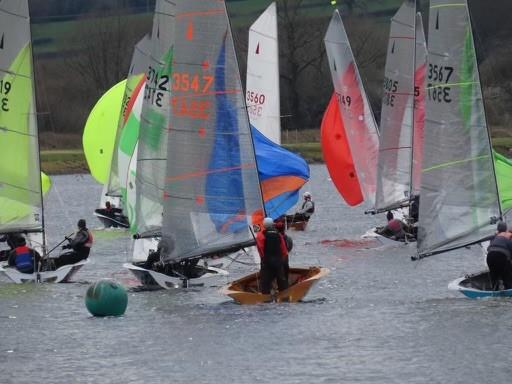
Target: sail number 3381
5,88
439,92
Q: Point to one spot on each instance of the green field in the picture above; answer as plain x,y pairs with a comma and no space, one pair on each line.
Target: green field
55,162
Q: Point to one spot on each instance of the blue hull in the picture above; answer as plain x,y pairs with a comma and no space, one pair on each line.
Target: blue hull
478,286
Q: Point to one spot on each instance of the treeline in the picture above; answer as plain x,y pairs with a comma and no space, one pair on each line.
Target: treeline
97,54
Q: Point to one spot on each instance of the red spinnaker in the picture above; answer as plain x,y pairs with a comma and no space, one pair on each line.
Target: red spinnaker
337,155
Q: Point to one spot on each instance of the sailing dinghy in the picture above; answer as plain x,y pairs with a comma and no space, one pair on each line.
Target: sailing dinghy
460,200
21,194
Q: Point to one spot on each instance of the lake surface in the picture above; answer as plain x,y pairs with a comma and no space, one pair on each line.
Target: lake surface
376,318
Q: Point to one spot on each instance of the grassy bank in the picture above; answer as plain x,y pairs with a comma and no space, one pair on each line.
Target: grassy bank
58,162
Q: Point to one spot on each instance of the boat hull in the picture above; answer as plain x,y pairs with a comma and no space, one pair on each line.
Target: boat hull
109,222
478,286
153,279
246,289
61,275
373,235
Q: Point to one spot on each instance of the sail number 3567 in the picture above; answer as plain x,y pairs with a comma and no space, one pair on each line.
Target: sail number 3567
5,88
439,92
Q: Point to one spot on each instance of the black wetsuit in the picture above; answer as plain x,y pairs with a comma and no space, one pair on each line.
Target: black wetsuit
499,256
81,247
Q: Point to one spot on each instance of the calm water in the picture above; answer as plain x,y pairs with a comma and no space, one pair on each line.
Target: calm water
377,318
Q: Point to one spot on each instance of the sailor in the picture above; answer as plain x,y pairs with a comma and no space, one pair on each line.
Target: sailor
274,254
499,257
280,226
23,257
305,212
11,239
394,229
80,245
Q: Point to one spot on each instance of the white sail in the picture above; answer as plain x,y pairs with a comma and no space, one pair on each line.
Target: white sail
262,87
397,118
459,197
360,126
155,124
20,181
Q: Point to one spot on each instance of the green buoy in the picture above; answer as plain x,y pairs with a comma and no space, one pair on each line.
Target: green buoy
106,298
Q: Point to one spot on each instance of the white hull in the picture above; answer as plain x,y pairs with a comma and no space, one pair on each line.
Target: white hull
154,279
372,235
61,275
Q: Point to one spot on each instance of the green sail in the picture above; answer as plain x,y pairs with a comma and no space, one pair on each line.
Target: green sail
20,187
503,167
100,132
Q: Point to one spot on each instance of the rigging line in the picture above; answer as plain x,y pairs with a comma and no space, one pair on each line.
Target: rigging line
447,5
61,201
9,72
433,86
456,162
2,183
5,129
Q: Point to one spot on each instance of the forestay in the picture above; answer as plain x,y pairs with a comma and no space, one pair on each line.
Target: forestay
262,94
20,180
394,176
459,197
212,190
155,124
355,109
128,125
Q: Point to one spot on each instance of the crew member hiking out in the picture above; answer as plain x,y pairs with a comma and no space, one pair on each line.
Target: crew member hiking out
394,229
273,253
80,245
25,259
499,257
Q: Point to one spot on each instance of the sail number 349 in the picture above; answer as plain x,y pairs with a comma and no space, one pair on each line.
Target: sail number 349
5,88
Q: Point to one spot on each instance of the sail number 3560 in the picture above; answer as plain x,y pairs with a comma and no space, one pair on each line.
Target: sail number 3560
5,88
439,92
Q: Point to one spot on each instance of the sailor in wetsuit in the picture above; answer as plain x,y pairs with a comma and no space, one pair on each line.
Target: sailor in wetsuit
80,245
499,257
394,229
274,254
23,257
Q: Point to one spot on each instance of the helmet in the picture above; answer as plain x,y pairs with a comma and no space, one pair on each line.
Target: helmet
502,226
307,195
268,222
81,223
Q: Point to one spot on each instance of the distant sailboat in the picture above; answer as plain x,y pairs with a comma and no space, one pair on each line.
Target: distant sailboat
282,173
357,116
125,141
21,203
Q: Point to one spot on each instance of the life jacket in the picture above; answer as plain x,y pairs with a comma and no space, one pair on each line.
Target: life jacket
311,209
24,259
272,252
395,225
90,240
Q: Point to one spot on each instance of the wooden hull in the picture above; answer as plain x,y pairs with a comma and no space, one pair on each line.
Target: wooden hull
246,289
478,286
298,225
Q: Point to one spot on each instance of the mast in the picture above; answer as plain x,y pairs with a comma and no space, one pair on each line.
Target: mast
37,138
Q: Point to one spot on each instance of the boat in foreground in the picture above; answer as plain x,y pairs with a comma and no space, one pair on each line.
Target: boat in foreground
117,220
246,289
477,286
60,275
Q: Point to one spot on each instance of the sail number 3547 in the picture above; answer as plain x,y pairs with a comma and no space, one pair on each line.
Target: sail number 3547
439,92
5,88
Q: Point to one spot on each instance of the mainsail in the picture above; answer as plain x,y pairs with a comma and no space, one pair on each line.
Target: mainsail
128,125
337,155
212,191
459,196
262,93
358,120
20,179
155,125
394,176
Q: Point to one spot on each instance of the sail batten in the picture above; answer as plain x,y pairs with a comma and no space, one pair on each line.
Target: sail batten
459,197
